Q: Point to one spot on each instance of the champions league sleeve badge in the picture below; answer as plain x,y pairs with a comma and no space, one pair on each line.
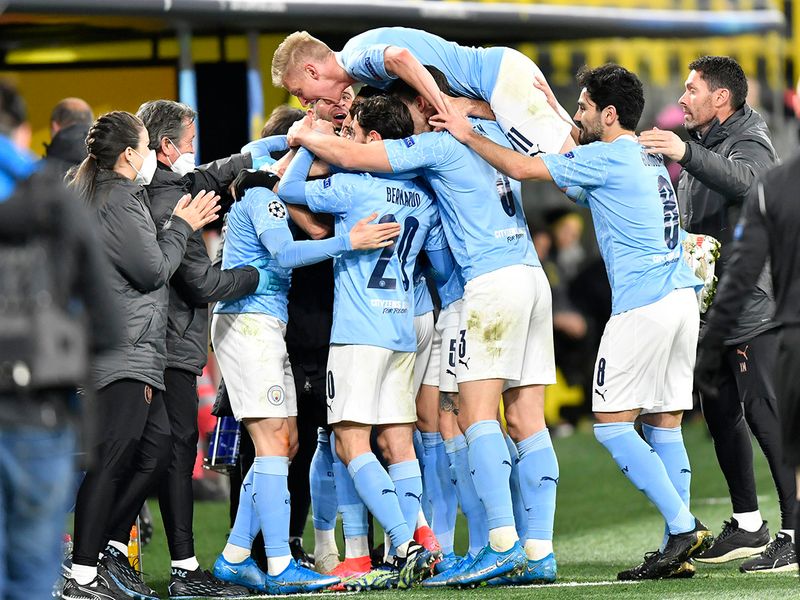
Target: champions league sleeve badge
277,209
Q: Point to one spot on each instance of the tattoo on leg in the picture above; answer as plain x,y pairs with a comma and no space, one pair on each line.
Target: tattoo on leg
448,402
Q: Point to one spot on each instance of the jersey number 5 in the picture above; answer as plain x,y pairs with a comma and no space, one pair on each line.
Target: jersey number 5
377,280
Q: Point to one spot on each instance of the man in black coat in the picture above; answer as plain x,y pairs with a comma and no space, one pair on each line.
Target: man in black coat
196,283
767,234
730,146
69,123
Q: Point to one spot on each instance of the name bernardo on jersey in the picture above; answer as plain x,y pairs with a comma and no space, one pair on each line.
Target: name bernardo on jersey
403,197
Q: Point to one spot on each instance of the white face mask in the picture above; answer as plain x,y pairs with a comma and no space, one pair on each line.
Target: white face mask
184,163
145,175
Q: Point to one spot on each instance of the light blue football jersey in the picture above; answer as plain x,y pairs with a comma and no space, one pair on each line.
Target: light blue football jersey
374,291
635,215
481,210
258,211
471,72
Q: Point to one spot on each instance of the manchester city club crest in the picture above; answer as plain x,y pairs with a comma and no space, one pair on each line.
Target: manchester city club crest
276,209
276,395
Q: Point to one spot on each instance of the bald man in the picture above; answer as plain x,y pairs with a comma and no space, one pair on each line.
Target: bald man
69,123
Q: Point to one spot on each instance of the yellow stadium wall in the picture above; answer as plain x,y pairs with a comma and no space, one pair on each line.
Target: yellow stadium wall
123,88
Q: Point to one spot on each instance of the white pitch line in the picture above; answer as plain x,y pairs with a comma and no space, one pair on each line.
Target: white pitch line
544,586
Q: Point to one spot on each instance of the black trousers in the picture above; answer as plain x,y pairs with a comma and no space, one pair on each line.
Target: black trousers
786,382
748,402
132,451
175,495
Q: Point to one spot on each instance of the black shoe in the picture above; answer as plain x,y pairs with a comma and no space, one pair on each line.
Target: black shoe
644,570
650,569
125,576
733,542
681,547
669,562
202,584
301,556
779,557
101,588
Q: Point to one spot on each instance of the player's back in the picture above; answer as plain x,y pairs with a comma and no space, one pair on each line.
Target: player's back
258,211
481,210
470,71
374,290
637,224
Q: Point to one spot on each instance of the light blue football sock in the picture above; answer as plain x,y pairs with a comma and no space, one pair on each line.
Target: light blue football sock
378,492
438,490
323,489
246,525
538,478
490,467
471,504
407,479
668,444
517,499
271,498
427,492
353,509
642,466
444,521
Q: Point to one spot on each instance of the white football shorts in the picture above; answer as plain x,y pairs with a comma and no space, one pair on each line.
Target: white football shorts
646,357
370,385
252,358
448,347
522,111
423,325
507,324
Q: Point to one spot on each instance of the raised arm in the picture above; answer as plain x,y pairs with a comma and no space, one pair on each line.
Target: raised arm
515,165
292,186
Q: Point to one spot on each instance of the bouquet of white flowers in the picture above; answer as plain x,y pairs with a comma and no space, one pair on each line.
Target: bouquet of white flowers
701,253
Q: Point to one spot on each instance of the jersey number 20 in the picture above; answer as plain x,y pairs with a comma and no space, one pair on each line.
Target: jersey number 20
377,280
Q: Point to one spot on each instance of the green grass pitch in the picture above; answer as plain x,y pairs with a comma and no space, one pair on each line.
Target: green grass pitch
602,525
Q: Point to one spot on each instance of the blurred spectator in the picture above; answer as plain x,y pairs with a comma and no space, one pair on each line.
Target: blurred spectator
566,227
69,123
50,234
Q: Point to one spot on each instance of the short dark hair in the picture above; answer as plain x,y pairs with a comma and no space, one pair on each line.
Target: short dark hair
71,111
406,92
280,120
723,72
165,119
613,85
12,108
387,115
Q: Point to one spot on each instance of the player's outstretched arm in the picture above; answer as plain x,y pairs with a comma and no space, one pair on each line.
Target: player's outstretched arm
399,61
513,164
540,83
339,151
292,186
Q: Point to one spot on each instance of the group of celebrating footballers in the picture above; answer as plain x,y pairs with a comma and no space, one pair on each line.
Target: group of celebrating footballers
444,188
